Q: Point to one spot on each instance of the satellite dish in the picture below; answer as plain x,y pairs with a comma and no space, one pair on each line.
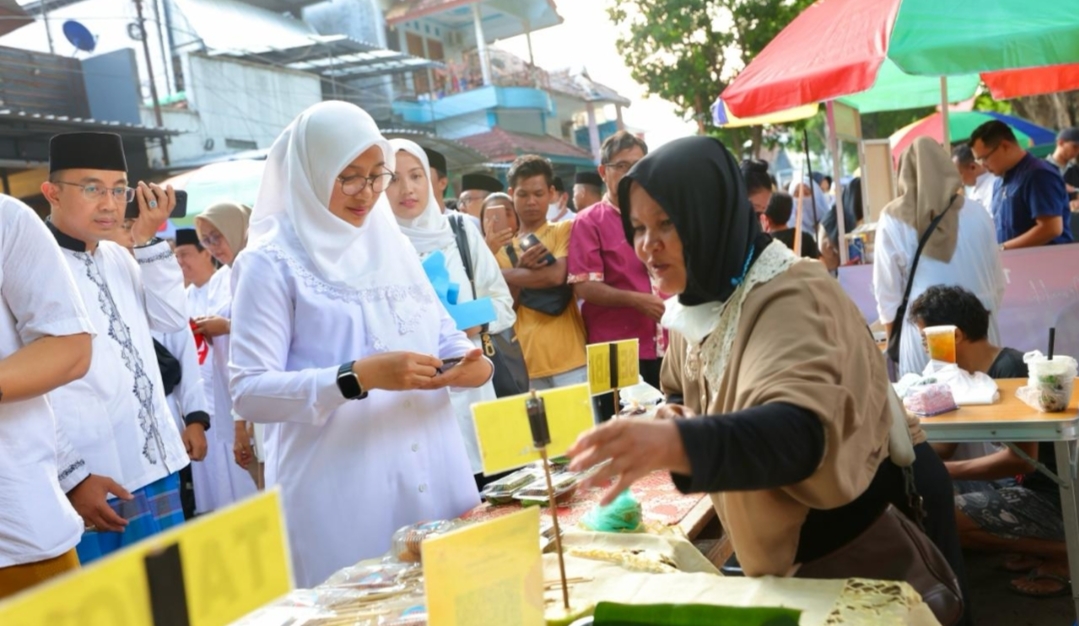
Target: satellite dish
79,36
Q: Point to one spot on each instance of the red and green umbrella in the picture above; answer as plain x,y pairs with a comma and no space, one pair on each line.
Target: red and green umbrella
962,123
890,54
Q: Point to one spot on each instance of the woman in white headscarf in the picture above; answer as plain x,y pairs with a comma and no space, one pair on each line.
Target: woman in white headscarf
962,250
815,205
412,199
338,341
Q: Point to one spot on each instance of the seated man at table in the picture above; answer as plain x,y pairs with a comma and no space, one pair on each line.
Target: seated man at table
1004,504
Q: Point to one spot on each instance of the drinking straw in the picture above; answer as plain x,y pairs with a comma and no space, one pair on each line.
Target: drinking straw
1052,340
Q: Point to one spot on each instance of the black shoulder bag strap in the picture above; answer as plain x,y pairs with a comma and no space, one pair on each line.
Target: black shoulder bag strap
901,312
457,224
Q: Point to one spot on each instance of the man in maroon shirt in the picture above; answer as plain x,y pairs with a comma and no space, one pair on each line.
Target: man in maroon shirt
606,273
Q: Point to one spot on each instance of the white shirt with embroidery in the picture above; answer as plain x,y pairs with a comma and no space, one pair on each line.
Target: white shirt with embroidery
116,417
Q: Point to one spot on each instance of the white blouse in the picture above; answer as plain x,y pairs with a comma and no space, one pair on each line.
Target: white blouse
39,300
975,266
350,472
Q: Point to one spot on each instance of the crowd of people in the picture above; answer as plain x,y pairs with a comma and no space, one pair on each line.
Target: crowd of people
300,343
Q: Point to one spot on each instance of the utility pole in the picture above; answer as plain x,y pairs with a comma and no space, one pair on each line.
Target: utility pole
153,85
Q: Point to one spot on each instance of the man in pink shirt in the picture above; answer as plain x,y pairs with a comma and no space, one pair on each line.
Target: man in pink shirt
606,273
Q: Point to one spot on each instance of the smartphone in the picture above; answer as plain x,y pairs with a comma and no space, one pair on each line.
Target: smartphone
530,241
448,364
180,210
732,567
497,219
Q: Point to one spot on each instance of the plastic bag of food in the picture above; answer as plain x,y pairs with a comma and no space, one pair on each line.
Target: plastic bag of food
639,401
930,400
377,577
501,491
406,541
1049,386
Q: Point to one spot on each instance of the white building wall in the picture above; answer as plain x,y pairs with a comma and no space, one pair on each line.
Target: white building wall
234,102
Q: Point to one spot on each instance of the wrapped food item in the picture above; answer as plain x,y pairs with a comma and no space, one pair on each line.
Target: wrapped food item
929,400
564,483
407,541
1049,387
377,577
501,491
639,401
623,515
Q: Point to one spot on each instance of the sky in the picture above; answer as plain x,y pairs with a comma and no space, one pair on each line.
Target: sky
587,27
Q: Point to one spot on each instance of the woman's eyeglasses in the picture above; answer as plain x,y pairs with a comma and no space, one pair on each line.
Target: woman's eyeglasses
353,185
95,192
211,240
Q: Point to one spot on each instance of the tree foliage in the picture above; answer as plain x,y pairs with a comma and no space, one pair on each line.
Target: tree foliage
686,51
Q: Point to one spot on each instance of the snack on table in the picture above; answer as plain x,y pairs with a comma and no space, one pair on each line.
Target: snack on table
564,484
634,560
929,400
407,541
381,577
501,491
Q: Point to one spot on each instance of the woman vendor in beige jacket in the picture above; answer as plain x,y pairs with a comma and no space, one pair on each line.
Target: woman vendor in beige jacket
793,443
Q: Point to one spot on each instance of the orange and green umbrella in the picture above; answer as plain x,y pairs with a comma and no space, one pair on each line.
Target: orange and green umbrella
891,54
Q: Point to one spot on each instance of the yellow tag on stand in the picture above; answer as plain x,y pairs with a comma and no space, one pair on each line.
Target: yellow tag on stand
614,365
488,573
505,438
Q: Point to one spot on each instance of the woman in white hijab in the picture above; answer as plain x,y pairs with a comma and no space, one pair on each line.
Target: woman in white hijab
337,344
815,205
412,198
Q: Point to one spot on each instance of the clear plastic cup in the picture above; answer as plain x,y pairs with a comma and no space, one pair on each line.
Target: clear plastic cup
940,342
1052,381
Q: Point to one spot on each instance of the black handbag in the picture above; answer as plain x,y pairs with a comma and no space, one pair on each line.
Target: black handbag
550,301
901,312
511,374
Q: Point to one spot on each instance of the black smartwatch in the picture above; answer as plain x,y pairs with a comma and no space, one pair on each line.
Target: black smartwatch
349,383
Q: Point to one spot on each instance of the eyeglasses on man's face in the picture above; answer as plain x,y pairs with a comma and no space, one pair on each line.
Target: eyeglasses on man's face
620,167
980,160
94,192
353,185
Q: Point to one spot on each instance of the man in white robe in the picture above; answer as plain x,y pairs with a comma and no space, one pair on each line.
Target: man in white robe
116,417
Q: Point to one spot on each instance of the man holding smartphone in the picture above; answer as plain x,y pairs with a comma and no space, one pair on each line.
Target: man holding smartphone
549,324
116,417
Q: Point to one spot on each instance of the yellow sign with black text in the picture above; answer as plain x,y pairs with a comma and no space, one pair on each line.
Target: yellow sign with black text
232,563
613,366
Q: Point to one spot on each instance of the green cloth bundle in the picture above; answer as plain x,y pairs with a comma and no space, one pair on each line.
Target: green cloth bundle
623,515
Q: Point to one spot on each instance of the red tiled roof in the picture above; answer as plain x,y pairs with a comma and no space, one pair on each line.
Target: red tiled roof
403,10
501,145
411,9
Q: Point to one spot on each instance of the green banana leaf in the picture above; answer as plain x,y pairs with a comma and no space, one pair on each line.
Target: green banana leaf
611,614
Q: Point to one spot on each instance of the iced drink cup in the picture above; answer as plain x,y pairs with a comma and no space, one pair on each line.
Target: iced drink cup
940,342
1052,381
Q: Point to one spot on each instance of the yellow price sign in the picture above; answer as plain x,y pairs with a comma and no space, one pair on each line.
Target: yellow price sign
489,573
613,366
231,563
505,437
